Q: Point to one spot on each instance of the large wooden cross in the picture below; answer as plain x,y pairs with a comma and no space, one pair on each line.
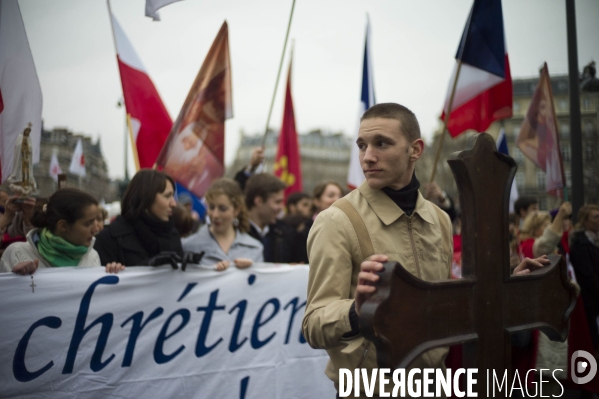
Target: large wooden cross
408,316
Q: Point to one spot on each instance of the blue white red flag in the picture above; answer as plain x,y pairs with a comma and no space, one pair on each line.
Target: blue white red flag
355,175
484,85
502,148
196,203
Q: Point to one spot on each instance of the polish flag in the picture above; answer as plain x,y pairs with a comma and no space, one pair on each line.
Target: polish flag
149,121
78,161
55,169
484,86
355,175
20,91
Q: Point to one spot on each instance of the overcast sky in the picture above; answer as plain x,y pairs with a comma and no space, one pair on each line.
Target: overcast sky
414,44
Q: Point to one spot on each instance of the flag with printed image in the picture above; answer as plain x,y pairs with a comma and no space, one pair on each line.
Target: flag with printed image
539,136
484,87
355,175
194,151
288,166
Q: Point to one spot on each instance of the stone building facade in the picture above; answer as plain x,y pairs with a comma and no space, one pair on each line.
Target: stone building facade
63,142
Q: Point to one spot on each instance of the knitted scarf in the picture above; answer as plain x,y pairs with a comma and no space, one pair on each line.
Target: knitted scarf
59,252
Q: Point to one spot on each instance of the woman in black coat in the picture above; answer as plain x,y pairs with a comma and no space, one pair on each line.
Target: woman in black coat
584,255
145,227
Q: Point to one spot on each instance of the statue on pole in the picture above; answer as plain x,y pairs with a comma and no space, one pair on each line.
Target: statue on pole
21,181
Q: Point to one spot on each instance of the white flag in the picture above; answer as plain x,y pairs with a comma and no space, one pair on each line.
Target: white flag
78,162
355,175
152,7
54,168
20,92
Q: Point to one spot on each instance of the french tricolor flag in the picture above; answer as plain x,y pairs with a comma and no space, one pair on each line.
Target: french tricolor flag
149,121
483,91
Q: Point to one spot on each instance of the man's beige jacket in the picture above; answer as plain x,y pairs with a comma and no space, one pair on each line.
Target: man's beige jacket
422,243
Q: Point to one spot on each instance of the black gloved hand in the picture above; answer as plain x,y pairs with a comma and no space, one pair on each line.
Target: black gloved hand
191,257
165,258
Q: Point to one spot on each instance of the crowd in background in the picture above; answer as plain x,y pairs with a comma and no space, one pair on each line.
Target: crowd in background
249,220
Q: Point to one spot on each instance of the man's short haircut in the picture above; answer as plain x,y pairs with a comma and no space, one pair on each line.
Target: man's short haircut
409,124
522,203
262,185
296,197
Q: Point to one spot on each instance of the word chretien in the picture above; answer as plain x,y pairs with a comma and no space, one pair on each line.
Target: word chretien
431,382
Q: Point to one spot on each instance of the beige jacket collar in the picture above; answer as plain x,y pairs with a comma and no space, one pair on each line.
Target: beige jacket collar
387,210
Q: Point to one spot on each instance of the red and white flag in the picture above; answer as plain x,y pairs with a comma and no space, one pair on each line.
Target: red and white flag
78,161
484,85
194,154
539,139
149,121
20,91
55,169
288,163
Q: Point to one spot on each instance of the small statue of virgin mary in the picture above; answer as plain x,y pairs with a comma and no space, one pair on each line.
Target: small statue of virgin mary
21,181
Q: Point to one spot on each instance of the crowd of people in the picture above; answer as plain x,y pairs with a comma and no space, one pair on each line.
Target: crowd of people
249,220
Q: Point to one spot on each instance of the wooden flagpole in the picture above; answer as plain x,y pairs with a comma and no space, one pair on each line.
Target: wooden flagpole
274,94
446,121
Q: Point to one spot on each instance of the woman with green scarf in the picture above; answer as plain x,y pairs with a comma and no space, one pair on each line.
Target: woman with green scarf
64,236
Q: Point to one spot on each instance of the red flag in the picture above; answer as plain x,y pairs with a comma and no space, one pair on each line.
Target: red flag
538,138
148,119
194,152
288,164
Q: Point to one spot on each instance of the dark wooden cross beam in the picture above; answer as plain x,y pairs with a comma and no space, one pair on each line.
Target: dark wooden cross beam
408,316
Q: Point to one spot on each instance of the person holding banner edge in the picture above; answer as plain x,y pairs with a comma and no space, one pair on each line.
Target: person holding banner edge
64,236
144,234
226,239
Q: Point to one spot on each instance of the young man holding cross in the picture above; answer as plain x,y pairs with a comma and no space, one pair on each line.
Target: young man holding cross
400,225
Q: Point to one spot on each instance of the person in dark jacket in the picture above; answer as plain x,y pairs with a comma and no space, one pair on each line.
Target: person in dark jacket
264,198
145,228
584,255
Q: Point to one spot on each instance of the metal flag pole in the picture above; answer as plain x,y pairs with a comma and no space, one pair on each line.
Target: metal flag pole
274,94
446,120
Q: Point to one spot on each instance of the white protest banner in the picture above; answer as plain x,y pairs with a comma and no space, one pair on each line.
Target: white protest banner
158,333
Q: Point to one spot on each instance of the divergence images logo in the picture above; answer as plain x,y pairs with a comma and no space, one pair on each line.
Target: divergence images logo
580,367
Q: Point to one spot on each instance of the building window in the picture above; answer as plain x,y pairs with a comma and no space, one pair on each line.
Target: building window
516,131
519,179
518,157
564,130
565,153
588,128
586,103
563,105
568,174
588,152
516,106
541,179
